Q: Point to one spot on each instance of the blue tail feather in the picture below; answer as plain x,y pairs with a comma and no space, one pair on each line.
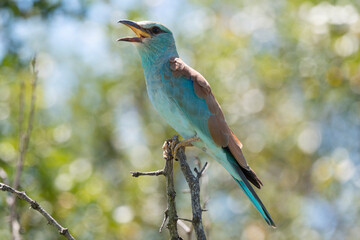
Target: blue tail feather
248,190
257,202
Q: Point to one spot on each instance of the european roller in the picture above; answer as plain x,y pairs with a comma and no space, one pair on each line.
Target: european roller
183,97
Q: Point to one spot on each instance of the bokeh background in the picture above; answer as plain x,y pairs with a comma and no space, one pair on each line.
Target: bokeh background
286,72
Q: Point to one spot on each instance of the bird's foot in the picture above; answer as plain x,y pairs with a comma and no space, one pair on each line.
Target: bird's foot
183,144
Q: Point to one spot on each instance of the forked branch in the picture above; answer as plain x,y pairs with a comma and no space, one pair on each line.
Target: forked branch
174,149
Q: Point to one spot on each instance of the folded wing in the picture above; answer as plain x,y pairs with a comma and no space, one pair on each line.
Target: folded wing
216,124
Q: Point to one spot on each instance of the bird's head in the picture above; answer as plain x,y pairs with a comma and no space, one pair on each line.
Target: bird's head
151,37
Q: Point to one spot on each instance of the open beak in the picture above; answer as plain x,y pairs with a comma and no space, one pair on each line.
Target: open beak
140,32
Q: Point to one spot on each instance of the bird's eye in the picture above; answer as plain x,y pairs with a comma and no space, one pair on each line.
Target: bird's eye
155,30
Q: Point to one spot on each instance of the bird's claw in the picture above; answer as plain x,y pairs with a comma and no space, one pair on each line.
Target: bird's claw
184,143
167,149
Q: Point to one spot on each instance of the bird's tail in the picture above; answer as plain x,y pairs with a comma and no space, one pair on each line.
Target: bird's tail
248,190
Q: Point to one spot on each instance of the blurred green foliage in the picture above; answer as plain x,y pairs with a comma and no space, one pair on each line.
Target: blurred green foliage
287,74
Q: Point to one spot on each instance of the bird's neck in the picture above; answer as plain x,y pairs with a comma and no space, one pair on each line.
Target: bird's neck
153,58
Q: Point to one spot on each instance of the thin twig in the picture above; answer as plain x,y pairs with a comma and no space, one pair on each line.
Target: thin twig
36,206
24,139
154,173
14,219
164,220
204,183
21,109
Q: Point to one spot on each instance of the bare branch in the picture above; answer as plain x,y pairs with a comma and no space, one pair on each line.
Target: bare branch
21,109
164,220
194,185
14,219
154,173
36,206
173,149
24,138
171,194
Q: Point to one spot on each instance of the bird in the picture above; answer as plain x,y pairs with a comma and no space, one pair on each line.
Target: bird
184,99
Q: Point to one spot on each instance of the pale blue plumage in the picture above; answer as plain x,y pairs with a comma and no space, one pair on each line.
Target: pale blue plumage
175,100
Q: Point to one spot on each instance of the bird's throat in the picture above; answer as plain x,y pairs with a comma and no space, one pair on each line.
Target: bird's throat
152,60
